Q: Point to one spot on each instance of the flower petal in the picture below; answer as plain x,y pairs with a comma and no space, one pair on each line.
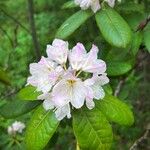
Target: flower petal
77,56
48,104
78,95
95,6
58,51
100,79
62,112
90,104
111,3
89,98
98,92
84,4
45,73
92,64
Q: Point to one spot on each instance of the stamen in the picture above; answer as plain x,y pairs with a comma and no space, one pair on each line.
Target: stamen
71,82
64,66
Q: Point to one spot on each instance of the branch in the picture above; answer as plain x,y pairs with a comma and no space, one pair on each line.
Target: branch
33,30
143,24
15,36
119,86
15,20
140,140
7,35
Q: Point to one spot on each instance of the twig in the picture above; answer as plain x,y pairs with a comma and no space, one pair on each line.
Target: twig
143,24
15,20
11,93
140,140
7,35
119,86
15,36
33,29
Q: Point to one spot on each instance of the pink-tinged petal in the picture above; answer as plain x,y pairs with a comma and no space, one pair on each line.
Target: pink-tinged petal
61,87
98,92
89,94
89,82
90,103
45,74
58,51
60,43
48,104
60,94
76,56
92,64
62,112
45,62
60,100
93,53
45,96
44,84
100,79
78,95
95,6
18,126
84,4
97,66
32,81
34,68
111,3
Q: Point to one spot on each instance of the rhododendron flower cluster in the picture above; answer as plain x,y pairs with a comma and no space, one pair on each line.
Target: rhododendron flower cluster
17,126
94,4
61,77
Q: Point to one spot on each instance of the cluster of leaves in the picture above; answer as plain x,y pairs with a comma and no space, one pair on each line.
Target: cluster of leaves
124,30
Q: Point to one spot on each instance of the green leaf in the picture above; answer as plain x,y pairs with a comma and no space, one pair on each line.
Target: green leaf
134,19
136,42
147,39
72,23
116,68
69,4
4,77
92,130
113,27
129,7
41,128
28,93
115,110
17,108
108,89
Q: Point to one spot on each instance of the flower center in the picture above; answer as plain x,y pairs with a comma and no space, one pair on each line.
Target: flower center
71,82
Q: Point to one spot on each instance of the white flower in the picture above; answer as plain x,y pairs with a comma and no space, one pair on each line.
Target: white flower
45,73
111,3
58,51
94,88
59,102
16,127
61,81
88,62
74,90
85,4
94,4
77,56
